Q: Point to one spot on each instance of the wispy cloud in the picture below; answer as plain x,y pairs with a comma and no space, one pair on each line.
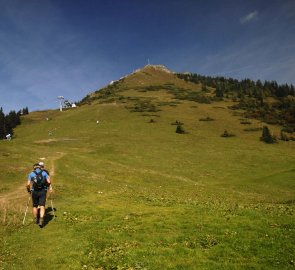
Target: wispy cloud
249,17
255,59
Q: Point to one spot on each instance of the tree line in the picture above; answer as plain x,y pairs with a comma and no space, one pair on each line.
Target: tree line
9,121
267,101
238,88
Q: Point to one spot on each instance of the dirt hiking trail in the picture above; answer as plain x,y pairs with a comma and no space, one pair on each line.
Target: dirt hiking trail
19,195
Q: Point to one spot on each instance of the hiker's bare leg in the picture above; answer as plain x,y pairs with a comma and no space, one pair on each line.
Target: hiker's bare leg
42,211
35,212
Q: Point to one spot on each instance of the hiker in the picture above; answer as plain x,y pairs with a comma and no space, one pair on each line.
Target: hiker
41,163
38,181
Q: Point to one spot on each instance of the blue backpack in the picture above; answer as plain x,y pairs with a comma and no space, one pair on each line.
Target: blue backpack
39,181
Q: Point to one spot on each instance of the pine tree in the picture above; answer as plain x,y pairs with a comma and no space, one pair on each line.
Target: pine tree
2,124
13,119
26,110
219,91
7,127
266,136
259,84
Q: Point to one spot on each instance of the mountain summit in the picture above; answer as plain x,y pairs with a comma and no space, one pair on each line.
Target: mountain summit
146,81
268,101
150,75
152,68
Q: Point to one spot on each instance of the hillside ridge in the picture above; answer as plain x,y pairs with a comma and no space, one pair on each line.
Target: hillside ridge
267,102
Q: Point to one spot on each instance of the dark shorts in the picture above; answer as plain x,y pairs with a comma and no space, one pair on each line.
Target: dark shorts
39,198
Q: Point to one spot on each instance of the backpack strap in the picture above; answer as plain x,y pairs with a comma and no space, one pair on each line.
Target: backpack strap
36,174
36,184
32,176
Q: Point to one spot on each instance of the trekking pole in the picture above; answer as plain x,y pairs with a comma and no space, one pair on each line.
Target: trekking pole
52,208
26,210
51,205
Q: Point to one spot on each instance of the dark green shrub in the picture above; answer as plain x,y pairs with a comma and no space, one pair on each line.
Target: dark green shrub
206,119
288,129
179,129
144,106
245,123
266,136
226,134
202,99
168,103
253,129
151,115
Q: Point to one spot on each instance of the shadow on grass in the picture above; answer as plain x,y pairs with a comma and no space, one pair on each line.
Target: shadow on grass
49,215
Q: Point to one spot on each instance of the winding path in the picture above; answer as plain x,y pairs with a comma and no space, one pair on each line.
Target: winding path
19,194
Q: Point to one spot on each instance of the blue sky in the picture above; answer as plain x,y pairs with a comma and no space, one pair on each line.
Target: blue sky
73,47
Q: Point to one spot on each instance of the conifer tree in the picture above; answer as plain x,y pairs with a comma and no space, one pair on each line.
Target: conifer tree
2,124
26,110
266,136
219,91
9,122
13,119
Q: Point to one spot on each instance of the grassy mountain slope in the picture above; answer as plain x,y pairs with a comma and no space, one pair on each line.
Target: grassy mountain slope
134,194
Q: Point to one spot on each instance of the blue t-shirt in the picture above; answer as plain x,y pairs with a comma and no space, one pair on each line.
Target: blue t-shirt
32,176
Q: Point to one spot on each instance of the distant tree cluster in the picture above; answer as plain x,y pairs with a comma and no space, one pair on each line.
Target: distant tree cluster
10,121
24,111
229,86
226,134
252,96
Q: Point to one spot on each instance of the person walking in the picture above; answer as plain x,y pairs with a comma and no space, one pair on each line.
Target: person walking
38,181
41,163
42,167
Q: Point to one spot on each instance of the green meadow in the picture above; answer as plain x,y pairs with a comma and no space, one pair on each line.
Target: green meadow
131,193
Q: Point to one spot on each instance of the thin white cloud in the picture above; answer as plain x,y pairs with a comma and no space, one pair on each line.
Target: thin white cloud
255,59
249,17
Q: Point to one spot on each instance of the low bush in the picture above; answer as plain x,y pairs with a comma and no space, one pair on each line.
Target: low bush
253,129
226,134
288,129
144,106
207,119
180,130
245,122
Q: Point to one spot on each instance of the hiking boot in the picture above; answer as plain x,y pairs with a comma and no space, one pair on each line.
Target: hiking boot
36,220
41,222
